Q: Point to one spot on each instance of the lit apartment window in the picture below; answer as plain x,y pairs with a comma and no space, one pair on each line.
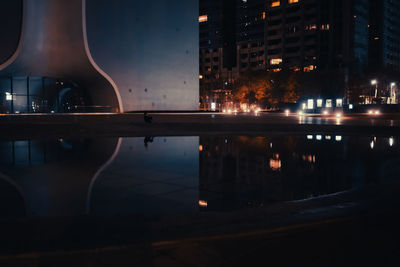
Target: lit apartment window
319,103
203,18
275,3
325,27
311,27
275,61
293,1
264,15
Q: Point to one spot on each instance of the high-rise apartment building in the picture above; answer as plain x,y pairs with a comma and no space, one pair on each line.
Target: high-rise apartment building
329,36
385,35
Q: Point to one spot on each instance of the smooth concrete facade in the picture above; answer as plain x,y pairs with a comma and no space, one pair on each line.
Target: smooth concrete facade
148,50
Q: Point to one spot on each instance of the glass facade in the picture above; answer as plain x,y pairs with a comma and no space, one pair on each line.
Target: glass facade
41,95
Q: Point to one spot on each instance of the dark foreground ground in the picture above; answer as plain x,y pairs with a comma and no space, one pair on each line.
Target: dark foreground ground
359,228
355,228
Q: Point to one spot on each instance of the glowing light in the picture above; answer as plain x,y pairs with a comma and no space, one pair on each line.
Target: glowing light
351,106
310,137
203,18
203,203
8,96
310,104
275,164
287,112
338,115
213,106
377,112
224,111
319,137
370,112
325,112
374,82
372,144
328,137
200,148
338,138
301,113
391,141
275,61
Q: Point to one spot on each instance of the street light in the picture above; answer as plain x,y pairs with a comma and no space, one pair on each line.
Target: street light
391,92
375,82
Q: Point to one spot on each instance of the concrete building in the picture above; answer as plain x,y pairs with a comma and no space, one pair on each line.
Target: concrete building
87,55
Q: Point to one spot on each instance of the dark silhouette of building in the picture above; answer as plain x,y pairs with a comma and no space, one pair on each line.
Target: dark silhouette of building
385,35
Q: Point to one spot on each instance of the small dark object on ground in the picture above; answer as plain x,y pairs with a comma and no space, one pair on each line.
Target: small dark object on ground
147,118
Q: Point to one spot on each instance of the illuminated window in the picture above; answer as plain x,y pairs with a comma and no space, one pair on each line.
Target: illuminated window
275,3
264,15
325,27
311,27
329,103
310,104
293,1
275,61
8,97
319,103
203,18
339,103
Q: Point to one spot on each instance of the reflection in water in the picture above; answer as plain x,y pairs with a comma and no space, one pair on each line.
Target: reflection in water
238,172
112,176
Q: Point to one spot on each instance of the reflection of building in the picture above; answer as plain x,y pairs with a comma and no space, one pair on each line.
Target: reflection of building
246,171
53,177
48,53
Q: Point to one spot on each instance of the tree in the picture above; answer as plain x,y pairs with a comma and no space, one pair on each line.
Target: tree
292,90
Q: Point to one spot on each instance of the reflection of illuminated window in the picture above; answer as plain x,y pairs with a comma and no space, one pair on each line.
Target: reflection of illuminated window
275,164
276,61
329,103
203,18
275,3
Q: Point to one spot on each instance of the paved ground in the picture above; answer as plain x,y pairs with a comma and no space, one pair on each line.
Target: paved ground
184,124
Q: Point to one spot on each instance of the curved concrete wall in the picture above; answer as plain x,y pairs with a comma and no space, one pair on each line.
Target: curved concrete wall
149,48
53,43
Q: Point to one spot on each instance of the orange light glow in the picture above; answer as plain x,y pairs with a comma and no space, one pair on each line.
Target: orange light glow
203,18
203,203
275,3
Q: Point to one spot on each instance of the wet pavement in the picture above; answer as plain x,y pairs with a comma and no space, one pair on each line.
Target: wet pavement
200,200
199,190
